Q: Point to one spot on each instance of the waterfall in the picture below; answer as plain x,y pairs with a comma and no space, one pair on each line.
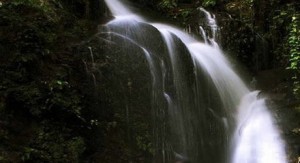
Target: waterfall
210,114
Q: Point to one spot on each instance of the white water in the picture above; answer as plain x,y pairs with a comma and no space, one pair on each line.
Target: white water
256,139
120,11
203,34
211,21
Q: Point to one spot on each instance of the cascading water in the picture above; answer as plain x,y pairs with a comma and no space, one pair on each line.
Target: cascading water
256,139
202,110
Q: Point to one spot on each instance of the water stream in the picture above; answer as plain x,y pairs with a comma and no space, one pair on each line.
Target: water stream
211,116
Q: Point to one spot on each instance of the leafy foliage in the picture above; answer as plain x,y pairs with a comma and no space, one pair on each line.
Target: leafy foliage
52,146
41,107
209,3
294,50
167,4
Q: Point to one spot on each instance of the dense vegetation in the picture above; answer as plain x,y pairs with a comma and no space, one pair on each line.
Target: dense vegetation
52,110
42,105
